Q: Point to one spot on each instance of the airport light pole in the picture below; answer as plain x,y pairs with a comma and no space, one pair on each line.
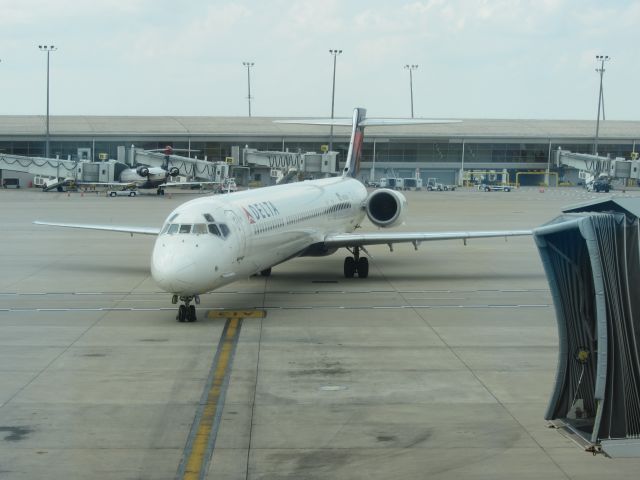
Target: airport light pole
335,54
601,59
249,65
411,68
48,49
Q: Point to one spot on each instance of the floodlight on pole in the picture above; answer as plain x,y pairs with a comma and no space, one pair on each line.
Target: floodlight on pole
249,65
411,68
335,54
601,59
48,49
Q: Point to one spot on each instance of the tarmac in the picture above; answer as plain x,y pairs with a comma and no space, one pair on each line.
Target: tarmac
439,365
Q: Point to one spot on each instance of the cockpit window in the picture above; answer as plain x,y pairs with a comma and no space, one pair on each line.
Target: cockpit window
213,228
217,229
200,228
208,218
173,217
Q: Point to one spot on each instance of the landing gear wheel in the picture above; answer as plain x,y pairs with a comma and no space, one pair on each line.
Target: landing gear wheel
191,313
349,267
182,313
266,272
363,267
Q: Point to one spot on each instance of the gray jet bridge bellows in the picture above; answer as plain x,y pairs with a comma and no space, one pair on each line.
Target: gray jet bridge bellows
591,259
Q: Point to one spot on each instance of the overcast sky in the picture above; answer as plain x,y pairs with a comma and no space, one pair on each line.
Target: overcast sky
477,58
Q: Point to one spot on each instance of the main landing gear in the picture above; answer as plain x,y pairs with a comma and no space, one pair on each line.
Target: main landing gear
356,264
186,312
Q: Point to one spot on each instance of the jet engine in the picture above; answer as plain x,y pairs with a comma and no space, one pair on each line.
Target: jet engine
142,171
385,207
173,171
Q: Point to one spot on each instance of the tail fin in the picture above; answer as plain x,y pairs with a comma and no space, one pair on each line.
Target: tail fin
352,167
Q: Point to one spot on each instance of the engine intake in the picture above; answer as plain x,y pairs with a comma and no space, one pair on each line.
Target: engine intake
173,171
142,171
386,208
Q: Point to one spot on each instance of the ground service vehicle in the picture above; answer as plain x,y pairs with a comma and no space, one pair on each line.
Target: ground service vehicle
122,193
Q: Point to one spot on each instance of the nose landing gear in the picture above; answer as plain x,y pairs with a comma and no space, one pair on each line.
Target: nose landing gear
356,264
186,312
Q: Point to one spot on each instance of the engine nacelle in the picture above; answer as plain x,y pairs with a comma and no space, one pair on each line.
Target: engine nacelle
142,171
173,171
385,207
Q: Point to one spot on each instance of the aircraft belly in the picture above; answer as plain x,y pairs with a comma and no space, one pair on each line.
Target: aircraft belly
269,250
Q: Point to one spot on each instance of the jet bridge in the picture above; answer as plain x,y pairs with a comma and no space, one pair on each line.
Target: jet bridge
594,166
283,166
591,258
46,167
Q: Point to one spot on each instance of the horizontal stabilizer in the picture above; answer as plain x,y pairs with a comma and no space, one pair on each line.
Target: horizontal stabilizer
367,122
379,122
338,122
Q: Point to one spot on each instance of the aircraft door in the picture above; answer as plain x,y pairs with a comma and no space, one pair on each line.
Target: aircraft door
239,228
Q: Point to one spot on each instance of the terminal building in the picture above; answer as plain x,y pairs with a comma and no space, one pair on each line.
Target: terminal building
519,150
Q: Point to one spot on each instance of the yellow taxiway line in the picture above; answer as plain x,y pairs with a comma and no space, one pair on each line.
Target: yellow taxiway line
201,440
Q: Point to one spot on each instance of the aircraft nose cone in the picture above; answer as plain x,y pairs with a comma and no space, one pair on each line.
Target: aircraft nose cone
170,271
185,269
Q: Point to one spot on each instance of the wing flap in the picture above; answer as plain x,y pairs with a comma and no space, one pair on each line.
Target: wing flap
108,228
362,239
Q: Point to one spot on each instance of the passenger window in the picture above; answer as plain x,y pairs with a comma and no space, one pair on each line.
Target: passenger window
199,228
225,230
185,228
213,228
173,228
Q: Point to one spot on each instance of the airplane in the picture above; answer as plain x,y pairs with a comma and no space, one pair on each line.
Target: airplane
143,177
209,242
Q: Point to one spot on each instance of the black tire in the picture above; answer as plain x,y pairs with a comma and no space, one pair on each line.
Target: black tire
132,194
487,189
182,313
363,267
191,313
507,189
349,267
112,194
266,272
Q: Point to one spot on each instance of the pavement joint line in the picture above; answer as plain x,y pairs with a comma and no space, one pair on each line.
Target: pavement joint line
279,292
275,307
202,437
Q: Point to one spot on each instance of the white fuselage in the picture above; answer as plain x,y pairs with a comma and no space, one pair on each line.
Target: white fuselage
212,241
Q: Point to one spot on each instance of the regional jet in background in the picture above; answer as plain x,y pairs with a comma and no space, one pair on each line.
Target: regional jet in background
212,241
141,176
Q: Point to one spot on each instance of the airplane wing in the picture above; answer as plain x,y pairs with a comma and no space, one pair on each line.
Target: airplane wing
108,228
188,184
106,184
384,238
